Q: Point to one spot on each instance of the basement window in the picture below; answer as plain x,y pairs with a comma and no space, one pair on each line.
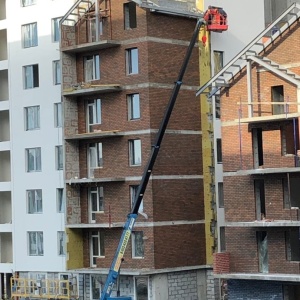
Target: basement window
277,96
129,15
292,242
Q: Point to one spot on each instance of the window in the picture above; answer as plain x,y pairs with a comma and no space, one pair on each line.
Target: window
58,114
92,68
61,242
289,138
29,35
218,61
34,201
96,200
59,157
218,106
96,246
27,2
56,72
135,152
260,201
133,192
277,96
132,61
55,29
220,194
262,243
32,117
35,243
141,288
93,113
129,15
258,149
60,200
219,151
138,244
31,76
292,238
33,160
133,103
95,157
291,192
222,239
96,281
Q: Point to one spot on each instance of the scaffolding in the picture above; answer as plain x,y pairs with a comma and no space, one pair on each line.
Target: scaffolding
44,288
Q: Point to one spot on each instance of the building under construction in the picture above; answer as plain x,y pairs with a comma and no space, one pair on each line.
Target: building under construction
259,92
119,63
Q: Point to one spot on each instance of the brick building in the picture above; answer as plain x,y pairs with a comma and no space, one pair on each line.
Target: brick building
118,70
259,92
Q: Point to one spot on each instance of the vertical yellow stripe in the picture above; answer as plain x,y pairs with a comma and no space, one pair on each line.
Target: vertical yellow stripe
207,141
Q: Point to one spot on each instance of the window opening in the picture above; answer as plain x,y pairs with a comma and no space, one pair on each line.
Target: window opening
132,61
130,15
262,243
292,238
31,76
259,187
257,140
277,96
219,151
96,198
135,152
138,244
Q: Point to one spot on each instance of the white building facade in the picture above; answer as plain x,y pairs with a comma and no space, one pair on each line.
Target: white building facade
32,238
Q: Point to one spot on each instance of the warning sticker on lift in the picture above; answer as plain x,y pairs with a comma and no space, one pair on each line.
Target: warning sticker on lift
122,250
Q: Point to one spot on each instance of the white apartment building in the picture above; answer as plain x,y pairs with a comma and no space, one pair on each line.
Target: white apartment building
32,238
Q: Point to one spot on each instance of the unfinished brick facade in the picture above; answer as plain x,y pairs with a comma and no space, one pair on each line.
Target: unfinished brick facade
260,149
172,224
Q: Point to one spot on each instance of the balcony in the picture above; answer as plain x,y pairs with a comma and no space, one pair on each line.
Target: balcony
5,212
4,126
87,26
6,255
80,89
76,180
2,10
95,134
4,85
5,174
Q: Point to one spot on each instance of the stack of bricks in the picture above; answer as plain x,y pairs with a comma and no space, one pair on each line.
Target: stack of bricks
221,263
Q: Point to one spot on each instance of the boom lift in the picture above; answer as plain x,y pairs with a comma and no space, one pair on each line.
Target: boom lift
132,216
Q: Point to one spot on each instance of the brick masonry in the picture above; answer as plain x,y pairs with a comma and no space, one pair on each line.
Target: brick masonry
239,192
161,41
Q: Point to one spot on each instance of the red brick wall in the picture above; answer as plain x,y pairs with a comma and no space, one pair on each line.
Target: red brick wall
176,246
239,194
